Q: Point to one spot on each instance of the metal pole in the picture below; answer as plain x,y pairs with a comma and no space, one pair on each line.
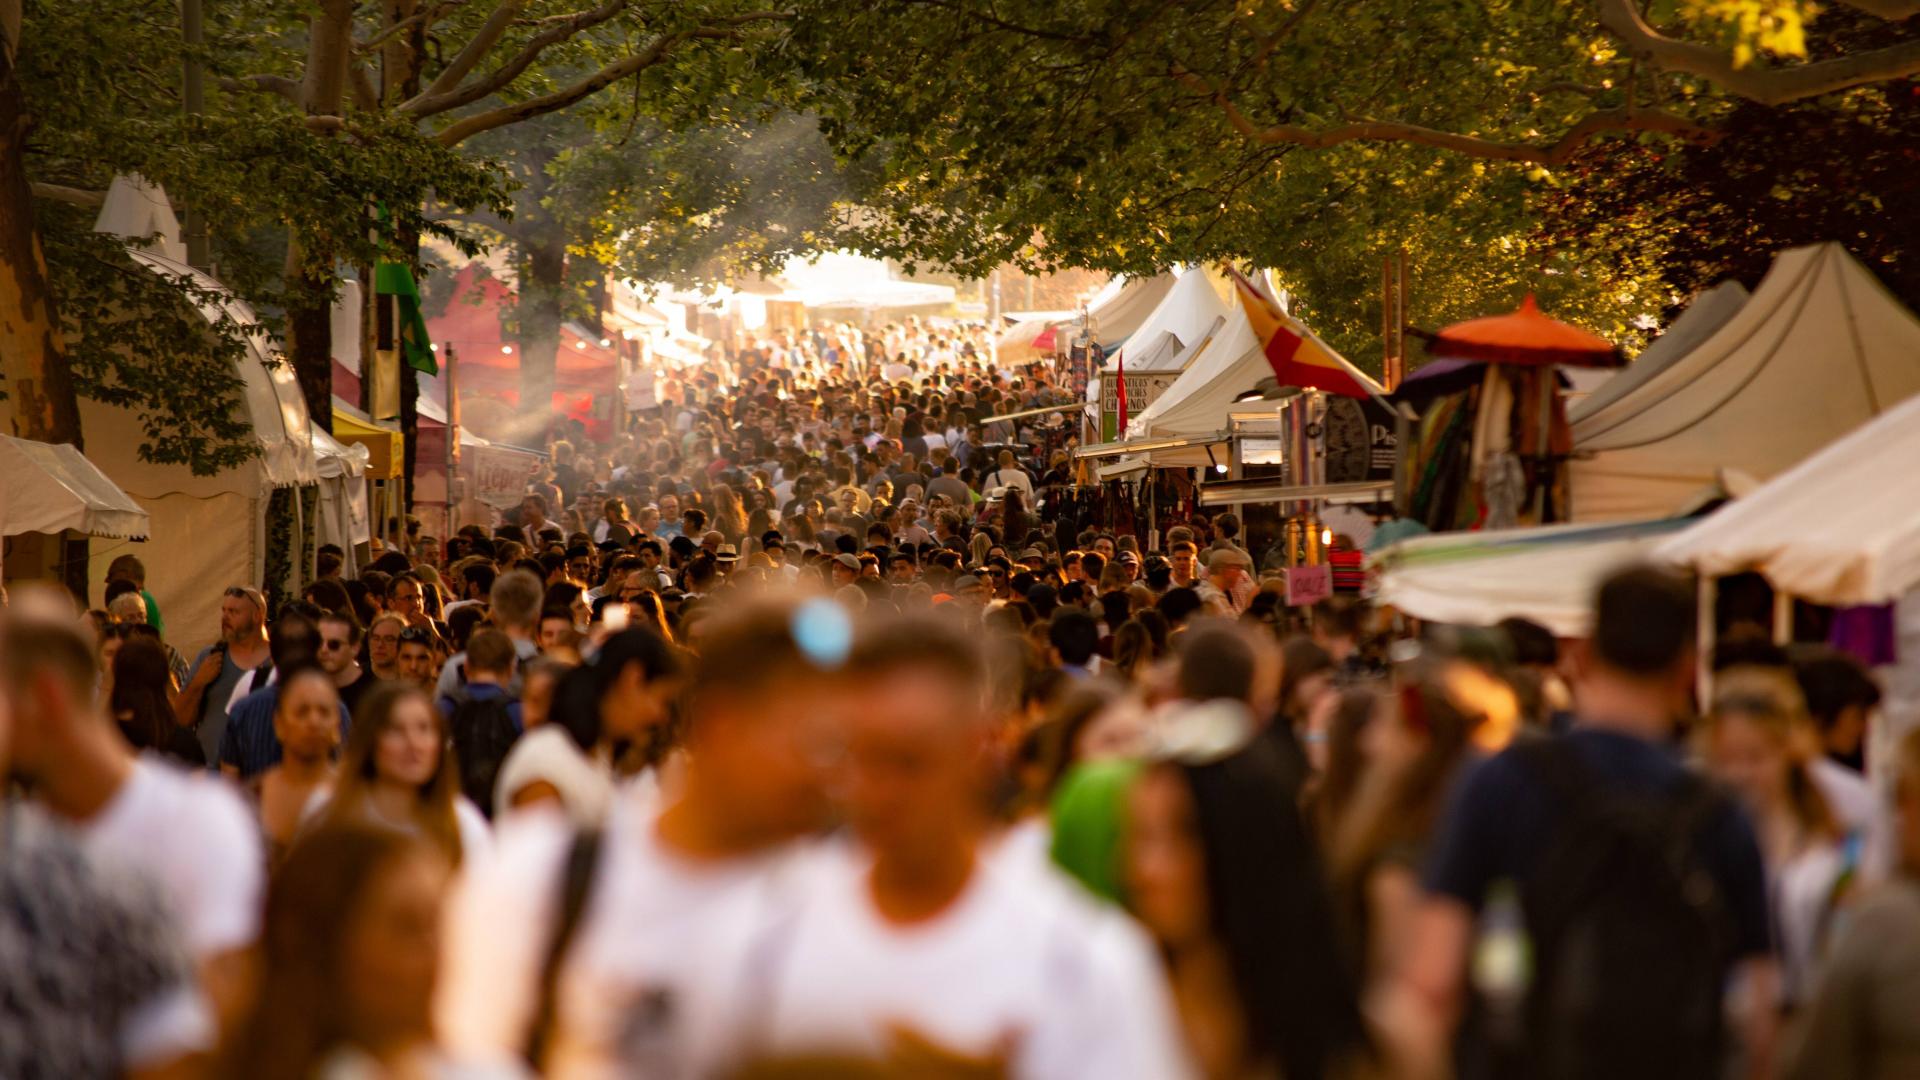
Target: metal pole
1403,297
1704,633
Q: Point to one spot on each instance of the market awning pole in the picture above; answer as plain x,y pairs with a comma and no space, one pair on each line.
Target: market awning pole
1703,643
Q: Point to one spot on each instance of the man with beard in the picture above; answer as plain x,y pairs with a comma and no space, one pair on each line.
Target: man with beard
240,653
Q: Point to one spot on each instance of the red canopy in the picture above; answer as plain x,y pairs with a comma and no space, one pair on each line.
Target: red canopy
1524,337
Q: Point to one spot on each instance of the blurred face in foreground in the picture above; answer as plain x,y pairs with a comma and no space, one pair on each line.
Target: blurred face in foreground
390,955
1165,869
760,750
307,719
915,763
408,751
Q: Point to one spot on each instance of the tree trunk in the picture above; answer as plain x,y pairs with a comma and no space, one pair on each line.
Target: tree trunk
33,353
310,261
310,331
540,307
400,80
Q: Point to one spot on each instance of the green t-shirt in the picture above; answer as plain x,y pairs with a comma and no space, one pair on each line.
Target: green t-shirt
153,614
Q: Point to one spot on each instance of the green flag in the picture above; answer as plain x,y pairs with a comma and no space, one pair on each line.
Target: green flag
395,280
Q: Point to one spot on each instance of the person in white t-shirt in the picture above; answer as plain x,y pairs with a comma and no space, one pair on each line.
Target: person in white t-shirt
645,981
912,944
188,834
1009,474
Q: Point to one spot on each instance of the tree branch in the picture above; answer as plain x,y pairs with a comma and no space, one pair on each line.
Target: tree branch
470,55
1890,10
71,195
270,84
1364,130
430,16
360,81
1767,86
467,127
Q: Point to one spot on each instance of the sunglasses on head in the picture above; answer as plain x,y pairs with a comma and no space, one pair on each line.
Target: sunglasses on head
415,634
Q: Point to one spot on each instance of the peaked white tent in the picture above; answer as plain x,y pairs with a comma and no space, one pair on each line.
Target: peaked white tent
208,532
204,532
1228,364
1184,314
1841,528
1124,304
1819,348
135,208
1703,318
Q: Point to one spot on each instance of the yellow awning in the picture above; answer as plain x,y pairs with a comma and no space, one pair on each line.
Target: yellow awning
386,448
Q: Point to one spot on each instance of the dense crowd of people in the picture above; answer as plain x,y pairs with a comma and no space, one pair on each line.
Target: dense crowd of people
809,728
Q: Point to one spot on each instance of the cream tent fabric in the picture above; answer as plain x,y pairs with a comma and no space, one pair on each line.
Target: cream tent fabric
206,532
1190,307
1228,364
342,505
1619,394
1124,304
1818,349
1187,311
49,488
1545,574
135,208
1842,527
1014,346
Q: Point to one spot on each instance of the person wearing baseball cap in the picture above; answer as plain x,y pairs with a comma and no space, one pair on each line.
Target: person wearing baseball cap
845,568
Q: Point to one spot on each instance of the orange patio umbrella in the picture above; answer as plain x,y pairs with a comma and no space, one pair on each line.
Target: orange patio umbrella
1526,337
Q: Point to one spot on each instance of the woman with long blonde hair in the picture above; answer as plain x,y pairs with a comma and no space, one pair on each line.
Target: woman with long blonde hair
1759,741
729,515
398,771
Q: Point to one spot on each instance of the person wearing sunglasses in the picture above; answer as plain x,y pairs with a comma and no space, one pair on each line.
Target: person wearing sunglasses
339,656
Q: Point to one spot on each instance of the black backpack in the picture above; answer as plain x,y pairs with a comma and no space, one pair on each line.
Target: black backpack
1631,939
483,731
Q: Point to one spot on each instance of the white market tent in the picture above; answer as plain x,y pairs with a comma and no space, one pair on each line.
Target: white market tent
1166,339
1119,309
204,532
342,505
50,488
1546,574
841,279
1703,318
208,532
1016,345
1229,363
1818,349
1840,528
1184,315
